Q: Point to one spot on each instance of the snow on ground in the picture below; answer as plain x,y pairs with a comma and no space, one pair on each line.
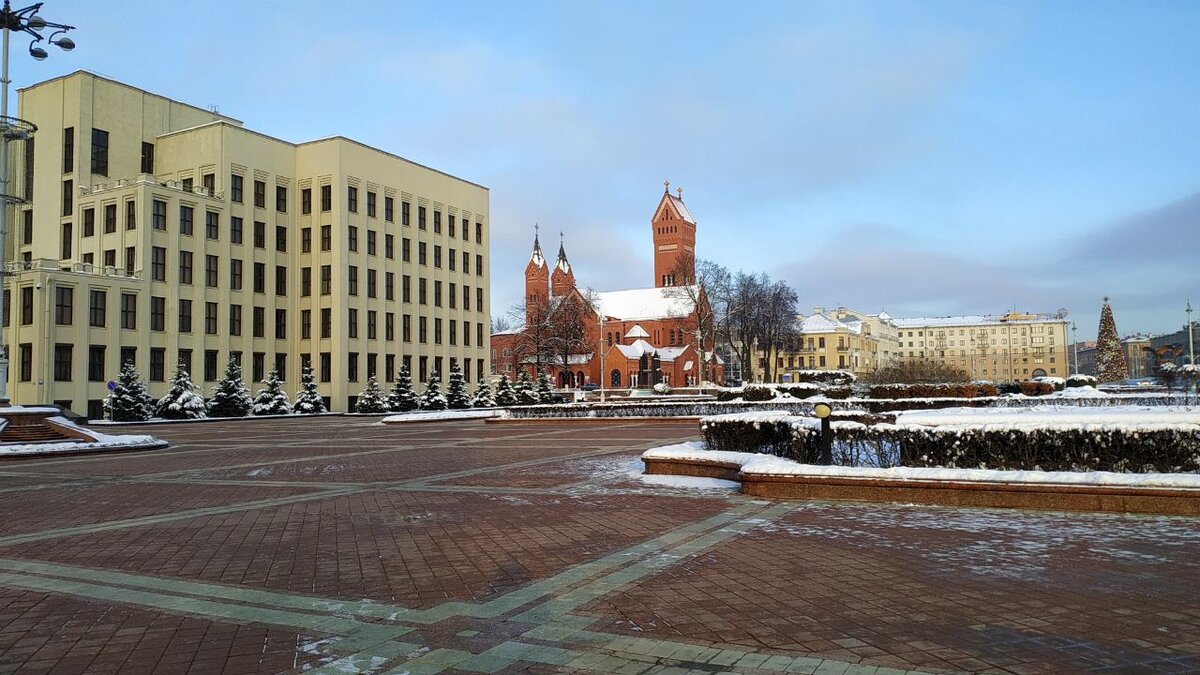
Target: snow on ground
469,414
103,442
689,482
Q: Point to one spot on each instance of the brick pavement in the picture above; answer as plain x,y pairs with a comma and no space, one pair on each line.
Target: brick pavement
342,545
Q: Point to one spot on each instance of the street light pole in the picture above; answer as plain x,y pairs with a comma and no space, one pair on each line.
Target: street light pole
1191,343
21,21
1075,346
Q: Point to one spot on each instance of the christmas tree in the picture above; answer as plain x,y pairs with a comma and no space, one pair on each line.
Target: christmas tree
456,390
272,399
544,393
505,394
181,401
308,401
403,398
1110,356
524,389
230,398
372,399
483,395
432,398
128,401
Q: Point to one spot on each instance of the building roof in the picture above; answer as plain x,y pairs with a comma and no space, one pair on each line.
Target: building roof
648,303
637,332
684,214
823,323
536,256
563,264
635,350
975,320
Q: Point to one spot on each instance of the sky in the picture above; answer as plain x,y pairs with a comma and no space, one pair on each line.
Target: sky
927,159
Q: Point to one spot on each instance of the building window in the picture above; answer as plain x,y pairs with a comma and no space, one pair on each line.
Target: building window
406,288
158,364
259,320
131,215
389,285
260,277
210,365
258,366
130,259
280,280
370,242
326,279
110,218
281,199
326,237
352,280
260,194
97,308
158,313
62,362
370,283
352,367
352,199
185,316
370,204
352,322
478,265
306,201
235,319
236,188
185,267
326,366
306,240
185,220
420,217
326,322
406,327
158,215
67,240
25,362
260,235
305,324
64,301
422,258
89,222
389,209
100,152
68,197
147,157
389,326
437,222
422,330
95,363
212,224
478,233
371,321
450,229
422,291
406,250
352,238
210,318
280,324
305,282
68,150
235,274
129,311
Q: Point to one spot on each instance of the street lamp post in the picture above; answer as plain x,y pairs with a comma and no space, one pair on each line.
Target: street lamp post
1075,346
21,21
1191,347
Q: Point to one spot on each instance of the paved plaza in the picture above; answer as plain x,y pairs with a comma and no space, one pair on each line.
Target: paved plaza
337,544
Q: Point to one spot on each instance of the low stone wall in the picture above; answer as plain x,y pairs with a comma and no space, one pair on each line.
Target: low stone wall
697,468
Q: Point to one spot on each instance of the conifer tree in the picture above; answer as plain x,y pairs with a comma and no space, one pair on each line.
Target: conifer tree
402,397
372,399
128,400
182,401
483,395
456,390
432,398
272,399
308,400
1110,356
505,394
524,389
230,397
544,393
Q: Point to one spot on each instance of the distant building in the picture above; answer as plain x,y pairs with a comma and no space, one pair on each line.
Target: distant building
829,341
1141,357
1010,347
1174,346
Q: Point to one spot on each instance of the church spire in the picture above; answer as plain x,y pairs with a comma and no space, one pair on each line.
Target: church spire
536,256
562,281
563,263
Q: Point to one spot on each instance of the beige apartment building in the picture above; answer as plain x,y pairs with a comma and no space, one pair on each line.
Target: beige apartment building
163,233
829,341
1011,347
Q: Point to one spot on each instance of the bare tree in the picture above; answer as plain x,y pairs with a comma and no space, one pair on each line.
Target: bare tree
699,321
775,321
501,324
570,328
752,315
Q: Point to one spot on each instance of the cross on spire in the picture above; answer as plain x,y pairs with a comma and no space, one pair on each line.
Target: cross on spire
667,186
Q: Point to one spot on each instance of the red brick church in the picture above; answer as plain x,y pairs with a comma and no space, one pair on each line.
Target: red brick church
624,338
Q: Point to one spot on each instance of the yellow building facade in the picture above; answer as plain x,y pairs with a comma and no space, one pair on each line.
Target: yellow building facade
829,341
1006,348
164,233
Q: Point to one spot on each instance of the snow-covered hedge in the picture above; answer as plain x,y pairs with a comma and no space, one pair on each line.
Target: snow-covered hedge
1080,380
768,392
830,377
934,390
769,431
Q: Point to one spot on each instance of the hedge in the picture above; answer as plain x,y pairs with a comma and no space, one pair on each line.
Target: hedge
934,390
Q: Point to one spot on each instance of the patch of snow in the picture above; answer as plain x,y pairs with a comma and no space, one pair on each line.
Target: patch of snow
689,482
469,414
103,442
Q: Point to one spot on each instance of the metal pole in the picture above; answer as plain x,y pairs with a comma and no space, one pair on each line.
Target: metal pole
1075,345
1191,343
601,345
4,208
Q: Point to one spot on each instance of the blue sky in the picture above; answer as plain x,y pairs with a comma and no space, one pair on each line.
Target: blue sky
925,158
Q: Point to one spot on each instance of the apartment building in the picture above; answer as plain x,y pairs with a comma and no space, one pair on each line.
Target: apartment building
163,233
829,341
1012,347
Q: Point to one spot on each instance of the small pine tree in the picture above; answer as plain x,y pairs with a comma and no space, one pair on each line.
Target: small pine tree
505,394
230,397
372,399
128,400
456,390
524,389
182,401
483,396
402,397
432,398
544,393
272,399
308,401
1110,355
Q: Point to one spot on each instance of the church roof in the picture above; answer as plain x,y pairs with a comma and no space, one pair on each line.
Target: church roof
536,257
684,214
637,332
648,303
635,350
563,264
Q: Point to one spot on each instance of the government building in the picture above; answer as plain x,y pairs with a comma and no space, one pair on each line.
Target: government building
162,233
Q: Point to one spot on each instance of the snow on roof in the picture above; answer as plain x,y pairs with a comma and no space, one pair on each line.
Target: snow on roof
821,323
637,332
536,257
635,350
648,303
681,208
883,316
974,320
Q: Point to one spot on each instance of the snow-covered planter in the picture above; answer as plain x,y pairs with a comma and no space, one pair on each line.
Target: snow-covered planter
1080,380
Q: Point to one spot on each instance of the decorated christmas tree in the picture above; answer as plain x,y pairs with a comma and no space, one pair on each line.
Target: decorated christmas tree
272,399
524,389
403,398
230,398
308,401
1110,356
433,398
182,401
128,400
505,394
544,393
483,395
372,399
456,390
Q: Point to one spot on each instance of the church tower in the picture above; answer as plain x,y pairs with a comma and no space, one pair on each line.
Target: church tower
562,280
537,280
674,241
